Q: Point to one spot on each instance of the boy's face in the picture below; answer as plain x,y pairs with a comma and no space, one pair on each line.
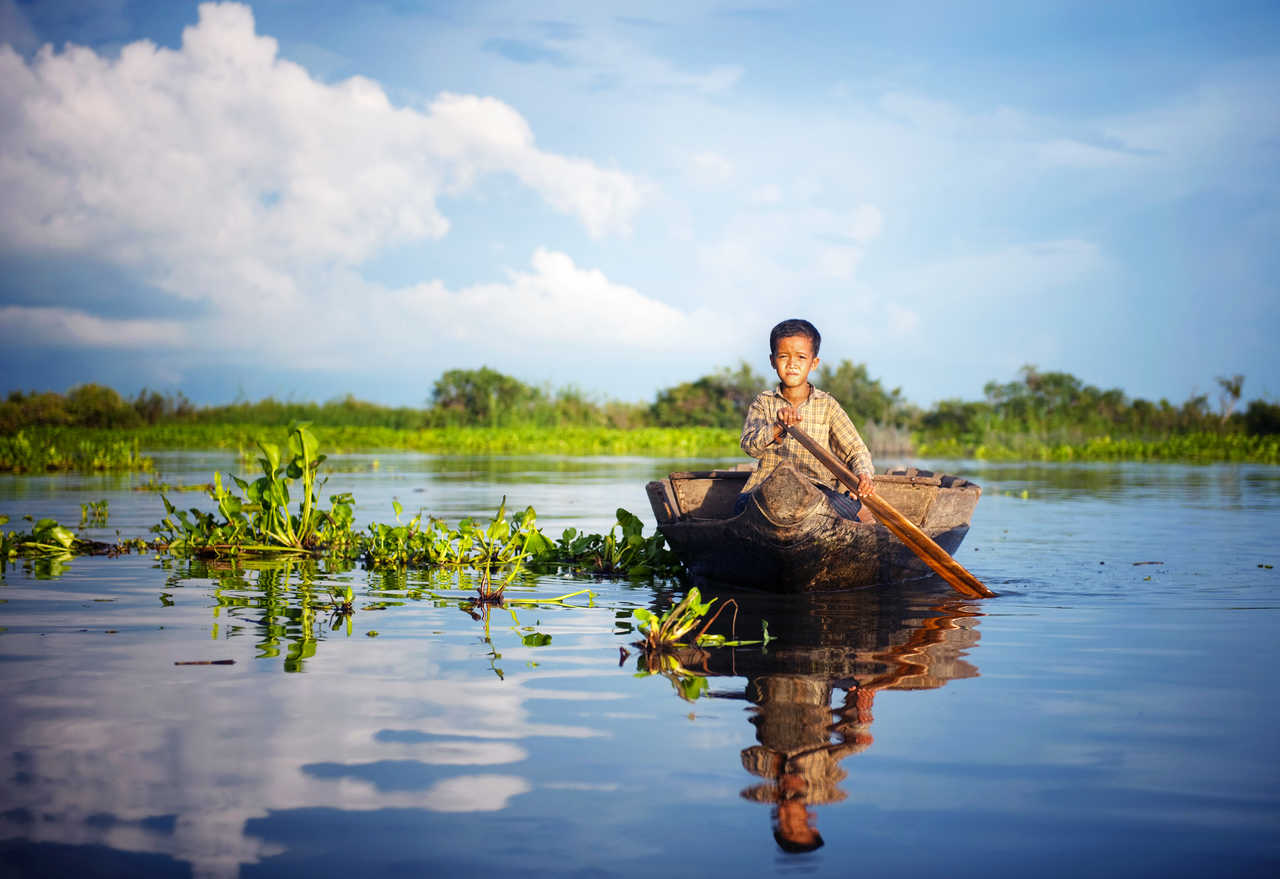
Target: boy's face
793,360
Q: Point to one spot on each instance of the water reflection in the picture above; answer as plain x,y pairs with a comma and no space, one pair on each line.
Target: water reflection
811,692
290,605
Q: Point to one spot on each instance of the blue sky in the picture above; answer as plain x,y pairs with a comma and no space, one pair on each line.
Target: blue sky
306,199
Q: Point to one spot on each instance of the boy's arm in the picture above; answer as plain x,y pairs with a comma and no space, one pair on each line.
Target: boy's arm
759,430
847,445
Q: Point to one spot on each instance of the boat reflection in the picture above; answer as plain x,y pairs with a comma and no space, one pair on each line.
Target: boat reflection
812,690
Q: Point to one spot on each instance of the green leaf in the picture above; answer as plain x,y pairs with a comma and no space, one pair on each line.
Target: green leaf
301,440
631,525
536,639
693,687
272,462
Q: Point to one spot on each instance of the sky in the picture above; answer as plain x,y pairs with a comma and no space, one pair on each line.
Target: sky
310,199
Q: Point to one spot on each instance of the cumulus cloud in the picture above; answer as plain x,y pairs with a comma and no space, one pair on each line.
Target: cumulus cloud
774,246
64,327
225,173
554,301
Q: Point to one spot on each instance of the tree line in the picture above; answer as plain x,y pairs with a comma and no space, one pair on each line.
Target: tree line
1036,403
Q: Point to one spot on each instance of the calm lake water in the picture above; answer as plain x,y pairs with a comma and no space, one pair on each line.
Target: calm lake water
1112,712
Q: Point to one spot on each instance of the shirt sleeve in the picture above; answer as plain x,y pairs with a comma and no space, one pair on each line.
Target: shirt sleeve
847,445
757,430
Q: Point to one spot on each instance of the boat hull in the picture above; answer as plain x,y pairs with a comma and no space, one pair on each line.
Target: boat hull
790,539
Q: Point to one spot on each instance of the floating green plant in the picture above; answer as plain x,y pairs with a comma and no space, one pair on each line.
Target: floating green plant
94,513
671,628
261,521
630,554
158,485
668,649
49,540
38,450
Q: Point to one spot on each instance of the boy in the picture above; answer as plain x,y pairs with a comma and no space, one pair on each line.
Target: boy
793,352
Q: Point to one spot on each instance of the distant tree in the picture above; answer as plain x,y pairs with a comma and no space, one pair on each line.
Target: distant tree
717,400
153,407
481,397
44,408
1230,394
91,405
1262,418
962,419
863,397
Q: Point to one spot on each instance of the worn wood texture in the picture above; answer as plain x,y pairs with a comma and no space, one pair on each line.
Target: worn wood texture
789,539
902,528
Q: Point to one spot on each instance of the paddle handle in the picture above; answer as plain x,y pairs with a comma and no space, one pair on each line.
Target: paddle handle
899,525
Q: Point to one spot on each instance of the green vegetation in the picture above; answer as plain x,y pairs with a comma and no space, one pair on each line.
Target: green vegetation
1056,417
94,513
670,644
610,555
258,521
1038,416
41,449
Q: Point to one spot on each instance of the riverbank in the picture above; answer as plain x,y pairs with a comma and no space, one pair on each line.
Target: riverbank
46,449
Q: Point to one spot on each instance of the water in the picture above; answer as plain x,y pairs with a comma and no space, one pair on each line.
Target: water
1103,716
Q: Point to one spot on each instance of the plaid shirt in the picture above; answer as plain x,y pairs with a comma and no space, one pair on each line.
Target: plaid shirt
822,418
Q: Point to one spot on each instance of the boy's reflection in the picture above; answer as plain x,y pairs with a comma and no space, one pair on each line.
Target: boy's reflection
852,651
795,725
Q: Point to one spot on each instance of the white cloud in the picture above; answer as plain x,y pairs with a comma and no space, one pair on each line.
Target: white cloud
223,172
556,303
774,247
474,793
64,327
838,261
1077,154
709,167
1013,272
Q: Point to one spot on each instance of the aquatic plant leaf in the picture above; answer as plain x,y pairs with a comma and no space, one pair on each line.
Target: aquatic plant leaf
692,687
631,524
302,441
272,461
536,639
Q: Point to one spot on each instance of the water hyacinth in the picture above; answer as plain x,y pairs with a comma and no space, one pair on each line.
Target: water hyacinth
259,521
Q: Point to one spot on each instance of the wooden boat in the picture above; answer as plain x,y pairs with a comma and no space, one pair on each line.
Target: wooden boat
790,539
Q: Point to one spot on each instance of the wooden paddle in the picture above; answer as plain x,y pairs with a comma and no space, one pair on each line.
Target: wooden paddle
899,525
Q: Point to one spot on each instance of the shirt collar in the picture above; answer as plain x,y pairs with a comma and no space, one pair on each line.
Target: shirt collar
813,392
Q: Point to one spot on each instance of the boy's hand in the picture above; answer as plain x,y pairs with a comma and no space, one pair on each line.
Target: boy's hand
865,485
787,416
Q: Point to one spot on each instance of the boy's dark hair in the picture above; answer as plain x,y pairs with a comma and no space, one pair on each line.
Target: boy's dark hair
792,847
794,326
